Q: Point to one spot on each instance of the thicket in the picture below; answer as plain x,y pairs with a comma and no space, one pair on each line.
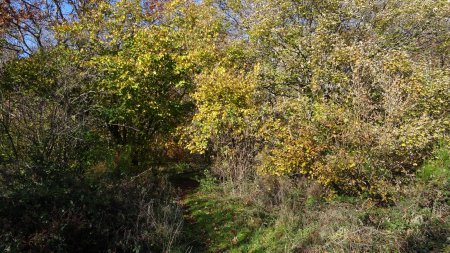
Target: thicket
315,100
346,93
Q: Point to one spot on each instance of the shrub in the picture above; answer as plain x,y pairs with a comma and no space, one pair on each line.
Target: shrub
73,215
337,102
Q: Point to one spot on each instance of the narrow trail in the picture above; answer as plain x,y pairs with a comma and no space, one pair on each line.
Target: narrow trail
213,222
186,185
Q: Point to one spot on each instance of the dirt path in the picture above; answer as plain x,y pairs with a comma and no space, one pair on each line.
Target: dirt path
184,183
187,185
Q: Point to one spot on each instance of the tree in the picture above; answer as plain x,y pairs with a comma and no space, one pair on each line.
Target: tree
136,64
340,91
28,24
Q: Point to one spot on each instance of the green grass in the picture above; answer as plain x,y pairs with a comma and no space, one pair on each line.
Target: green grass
438,167
221,224
218,222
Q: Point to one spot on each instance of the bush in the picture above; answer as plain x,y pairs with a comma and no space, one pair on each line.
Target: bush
342,104
95,216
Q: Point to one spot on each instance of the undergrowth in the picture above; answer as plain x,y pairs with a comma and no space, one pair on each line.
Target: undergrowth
293,215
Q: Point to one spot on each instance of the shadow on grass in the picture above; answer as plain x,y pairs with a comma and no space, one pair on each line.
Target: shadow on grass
221,225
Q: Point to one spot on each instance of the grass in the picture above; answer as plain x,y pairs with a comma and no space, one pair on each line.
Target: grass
437,168
217,222
220,224
418,221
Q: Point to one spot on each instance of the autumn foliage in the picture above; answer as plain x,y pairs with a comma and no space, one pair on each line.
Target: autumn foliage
351,97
